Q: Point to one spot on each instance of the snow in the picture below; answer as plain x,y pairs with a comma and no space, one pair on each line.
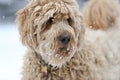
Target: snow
11,52
3,17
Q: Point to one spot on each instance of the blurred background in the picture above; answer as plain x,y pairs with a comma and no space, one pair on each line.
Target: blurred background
11,49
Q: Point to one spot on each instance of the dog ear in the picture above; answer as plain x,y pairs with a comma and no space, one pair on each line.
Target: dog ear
80,30
27,29
101,14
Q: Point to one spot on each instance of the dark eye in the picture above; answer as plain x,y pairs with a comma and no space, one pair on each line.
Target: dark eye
48,24
71,22
51,20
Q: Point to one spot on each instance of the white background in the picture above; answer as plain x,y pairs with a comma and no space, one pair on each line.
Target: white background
11,52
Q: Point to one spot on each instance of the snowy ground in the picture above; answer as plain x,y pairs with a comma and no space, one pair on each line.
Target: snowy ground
11,53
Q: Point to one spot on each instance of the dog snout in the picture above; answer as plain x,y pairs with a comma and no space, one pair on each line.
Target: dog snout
64,39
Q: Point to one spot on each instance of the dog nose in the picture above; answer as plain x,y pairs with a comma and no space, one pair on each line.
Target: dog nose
65,39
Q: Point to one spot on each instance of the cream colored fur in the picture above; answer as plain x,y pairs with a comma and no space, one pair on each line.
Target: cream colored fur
101,14
90,54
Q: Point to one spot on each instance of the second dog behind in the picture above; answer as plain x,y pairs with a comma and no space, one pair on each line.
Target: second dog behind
101,14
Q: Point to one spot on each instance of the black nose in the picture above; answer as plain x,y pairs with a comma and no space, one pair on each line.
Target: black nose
65,39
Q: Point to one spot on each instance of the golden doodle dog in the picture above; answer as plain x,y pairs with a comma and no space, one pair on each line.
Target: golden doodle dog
60,45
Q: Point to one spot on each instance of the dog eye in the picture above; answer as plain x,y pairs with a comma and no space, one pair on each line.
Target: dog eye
48,24
51,20
71,22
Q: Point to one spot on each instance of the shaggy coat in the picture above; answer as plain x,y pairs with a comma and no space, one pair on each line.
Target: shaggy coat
101,14
90,55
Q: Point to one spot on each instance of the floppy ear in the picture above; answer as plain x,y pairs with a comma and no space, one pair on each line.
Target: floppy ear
27,29
80,30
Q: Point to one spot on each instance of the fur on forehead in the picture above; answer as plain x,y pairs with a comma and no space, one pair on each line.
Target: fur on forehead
43,2
49,7
54,8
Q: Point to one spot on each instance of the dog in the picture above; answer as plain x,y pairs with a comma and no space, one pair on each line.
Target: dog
60,46
101,14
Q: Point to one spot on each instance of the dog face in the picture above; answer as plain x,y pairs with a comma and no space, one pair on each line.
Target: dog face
53,30
57,40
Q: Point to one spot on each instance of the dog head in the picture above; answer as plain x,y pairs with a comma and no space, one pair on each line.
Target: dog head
52,28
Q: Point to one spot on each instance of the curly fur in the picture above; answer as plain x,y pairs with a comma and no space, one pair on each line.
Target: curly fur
101,14
88,56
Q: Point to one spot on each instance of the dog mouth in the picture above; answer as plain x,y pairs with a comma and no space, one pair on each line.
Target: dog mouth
63,52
